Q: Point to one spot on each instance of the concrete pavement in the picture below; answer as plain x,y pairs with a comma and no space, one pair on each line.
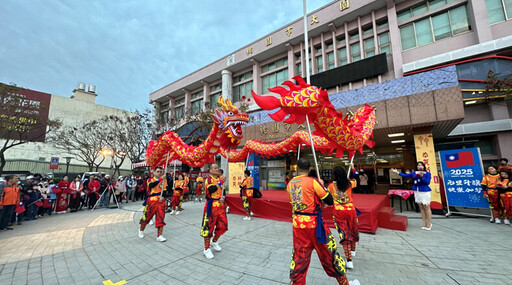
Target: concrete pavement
92,247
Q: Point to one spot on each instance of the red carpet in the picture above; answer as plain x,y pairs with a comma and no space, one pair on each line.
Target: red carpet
275,205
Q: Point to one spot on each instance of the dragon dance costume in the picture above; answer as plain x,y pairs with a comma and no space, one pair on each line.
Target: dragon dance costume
309,231
199,186
153,206
506,198
177,197
186,191
247,194
215,221
489,182
345,217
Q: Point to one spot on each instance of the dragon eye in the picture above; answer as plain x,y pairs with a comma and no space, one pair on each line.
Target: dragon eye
230,113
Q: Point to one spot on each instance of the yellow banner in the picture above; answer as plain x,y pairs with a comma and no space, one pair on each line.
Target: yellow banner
424,145
236,176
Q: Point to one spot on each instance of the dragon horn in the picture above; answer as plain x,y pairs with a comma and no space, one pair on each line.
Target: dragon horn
226,104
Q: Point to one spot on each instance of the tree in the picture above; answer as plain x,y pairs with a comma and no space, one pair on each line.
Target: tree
23,118
81,141
498,85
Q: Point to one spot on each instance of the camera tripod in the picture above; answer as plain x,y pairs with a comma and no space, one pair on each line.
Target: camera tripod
109,188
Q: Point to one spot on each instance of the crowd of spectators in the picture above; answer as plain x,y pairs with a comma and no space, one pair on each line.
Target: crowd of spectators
38,196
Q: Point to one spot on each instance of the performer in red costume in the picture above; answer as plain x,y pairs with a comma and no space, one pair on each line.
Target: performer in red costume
504,187
62,192
344,213
186,191
199,188
488,183
155,204
246,192
307,197
177,197
215,222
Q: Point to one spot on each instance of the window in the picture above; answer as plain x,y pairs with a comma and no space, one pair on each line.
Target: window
164,107
382,25
342,56
180,101
245,76
355,52
341,42
214,100
273,65
319,64
329,45
164,117
421,8
330,60
242,90
179,112
369,47
196,107
459,19
197,95
438,27
368,31
354,36
274,79
384,43
215,87
498,10
299,69
318,49
423,32
407,37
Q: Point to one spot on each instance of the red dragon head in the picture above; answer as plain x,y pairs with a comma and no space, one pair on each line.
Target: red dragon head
230,121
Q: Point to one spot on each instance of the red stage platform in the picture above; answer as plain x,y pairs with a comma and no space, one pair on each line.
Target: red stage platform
275,205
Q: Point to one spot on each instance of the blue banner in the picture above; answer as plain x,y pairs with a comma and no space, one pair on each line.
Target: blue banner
253,165
462,174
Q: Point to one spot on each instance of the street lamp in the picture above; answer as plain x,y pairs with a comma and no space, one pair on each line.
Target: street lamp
68,160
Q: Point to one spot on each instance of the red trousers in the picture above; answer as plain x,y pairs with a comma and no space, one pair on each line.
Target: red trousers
247,203
494,203
216,224
506,202
154,208
346,224
199,190
304,241
177,199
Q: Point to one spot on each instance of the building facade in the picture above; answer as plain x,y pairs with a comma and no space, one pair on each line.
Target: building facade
80,108
381,52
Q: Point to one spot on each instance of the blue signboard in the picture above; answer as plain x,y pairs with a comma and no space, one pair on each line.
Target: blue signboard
462,174
253,165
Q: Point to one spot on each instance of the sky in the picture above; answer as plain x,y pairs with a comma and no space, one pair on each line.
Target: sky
127,48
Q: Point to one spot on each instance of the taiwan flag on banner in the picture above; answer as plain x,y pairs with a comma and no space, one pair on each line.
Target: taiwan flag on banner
459,159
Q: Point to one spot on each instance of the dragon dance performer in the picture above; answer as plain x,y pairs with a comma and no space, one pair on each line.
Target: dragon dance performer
488,183
215,222
246,191
186,191
199,188
177,197
307,197
344,213
155,204
505,189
